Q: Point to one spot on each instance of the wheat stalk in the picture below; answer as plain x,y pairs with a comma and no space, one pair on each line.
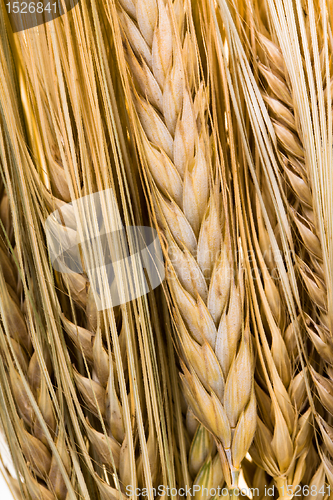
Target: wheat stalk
94,391
116,386
31,411
284,420
294,153
24,357
170,100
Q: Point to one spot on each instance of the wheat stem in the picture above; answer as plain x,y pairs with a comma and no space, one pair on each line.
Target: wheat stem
22,358
182,175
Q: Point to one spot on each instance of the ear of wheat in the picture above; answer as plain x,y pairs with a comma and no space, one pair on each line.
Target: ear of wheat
108,374
181,170
297,149
281,381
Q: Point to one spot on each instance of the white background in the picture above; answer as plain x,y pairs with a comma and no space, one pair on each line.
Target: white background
4,491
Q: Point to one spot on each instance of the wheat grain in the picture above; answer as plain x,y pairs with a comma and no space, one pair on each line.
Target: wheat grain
318,484
203,461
